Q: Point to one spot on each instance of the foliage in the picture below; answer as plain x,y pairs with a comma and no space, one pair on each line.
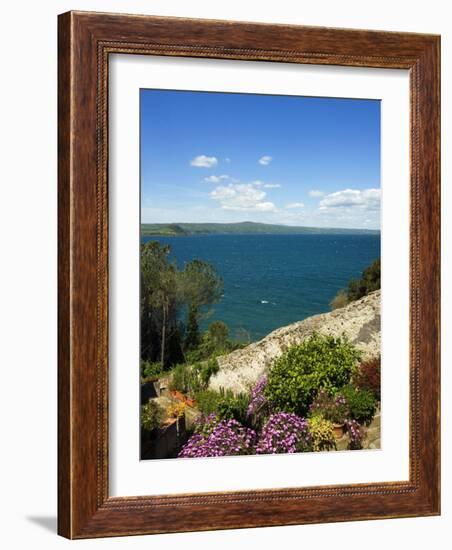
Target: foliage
214,342
340,300
185,379
368,376
176,410
193,378
322,433
233,406
201,284
258,407
208,401
160,301
215,437
152,415
224,404
356,434
357,288
192,337
205,424
166,291
151,369
297,376
208,369
332,408
284,433
369,281
362,403
217,337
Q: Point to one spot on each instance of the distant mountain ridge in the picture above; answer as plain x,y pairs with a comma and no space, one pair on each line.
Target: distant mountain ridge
240,228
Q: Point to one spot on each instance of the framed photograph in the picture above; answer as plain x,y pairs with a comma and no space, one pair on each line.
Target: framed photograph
248,275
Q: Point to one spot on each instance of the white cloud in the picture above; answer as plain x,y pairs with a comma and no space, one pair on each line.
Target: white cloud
264,207
216,179
295,205
265,160
259,183
315,193
364,199
202,161
242,196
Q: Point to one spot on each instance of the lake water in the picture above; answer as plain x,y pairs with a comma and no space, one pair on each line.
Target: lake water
274,280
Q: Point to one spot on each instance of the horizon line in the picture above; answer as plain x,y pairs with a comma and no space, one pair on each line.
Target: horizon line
261,223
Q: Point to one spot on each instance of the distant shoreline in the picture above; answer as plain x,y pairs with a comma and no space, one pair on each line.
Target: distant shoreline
242,228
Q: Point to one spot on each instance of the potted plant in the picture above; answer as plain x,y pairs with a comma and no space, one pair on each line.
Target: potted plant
333,408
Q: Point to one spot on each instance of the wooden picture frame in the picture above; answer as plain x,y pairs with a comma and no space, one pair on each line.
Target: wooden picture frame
85,42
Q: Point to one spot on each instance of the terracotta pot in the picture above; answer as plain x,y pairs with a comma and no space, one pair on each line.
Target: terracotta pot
338,430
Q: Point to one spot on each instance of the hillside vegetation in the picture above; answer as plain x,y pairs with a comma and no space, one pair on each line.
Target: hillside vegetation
241,228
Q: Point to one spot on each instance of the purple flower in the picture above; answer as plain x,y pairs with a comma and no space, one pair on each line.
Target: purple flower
356,434
284,433
213,437
257,398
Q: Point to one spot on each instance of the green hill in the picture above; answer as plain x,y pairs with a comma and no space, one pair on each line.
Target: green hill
240,228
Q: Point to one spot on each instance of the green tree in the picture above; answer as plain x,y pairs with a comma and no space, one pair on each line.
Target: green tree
358,288
201,286
159,300
192,338
218,335
370,281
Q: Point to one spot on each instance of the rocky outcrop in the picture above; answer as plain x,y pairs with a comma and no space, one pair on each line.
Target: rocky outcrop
359,321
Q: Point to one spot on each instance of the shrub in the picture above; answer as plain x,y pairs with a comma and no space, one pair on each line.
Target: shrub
322,434
297,376
152,415
207,370
233,406
368,377
214,437
284,433
356,434
225,405
370,281
340,300
208,401
150,369
332,408
362,403
186,378
216,336
180,378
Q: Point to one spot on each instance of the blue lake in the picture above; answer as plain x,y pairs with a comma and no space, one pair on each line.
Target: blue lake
274,280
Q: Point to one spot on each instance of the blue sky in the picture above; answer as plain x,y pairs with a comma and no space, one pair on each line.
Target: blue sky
225,157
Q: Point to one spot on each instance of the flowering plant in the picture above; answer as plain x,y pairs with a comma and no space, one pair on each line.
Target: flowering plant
284,433
214,437
356,434
152,415
258,407
333,408
176,410
322,433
